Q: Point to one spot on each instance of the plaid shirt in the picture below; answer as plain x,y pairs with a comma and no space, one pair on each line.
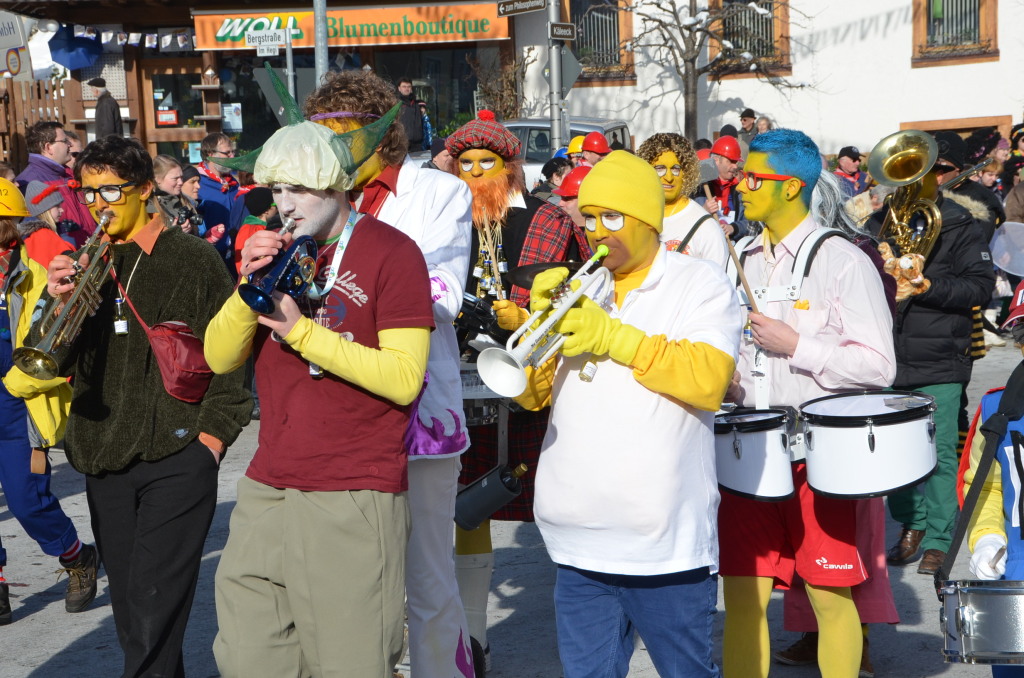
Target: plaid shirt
548,239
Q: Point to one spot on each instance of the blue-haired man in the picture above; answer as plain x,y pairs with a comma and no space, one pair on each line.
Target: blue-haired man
835,336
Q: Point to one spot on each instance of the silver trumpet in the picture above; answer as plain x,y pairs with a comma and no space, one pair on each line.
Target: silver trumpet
61,321
504,369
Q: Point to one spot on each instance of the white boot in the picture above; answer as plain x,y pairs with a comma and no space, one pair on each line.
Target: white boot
473,573
991,338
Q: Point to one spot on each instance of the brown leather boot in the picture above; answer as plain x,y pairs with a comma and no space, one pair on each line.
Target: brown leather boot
801,653
907,548
932,561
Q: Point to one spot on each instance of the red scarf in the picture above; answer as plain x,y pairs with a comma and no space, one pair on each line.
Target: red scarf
722,191
227,182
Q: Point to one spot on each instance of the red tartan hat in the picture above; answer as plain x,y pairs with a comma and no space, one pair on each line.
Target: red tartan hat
484,132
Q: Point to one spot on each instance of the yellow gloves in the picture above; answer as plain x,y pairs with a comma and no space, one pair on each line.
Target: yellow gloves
510,317
543,286
21,385
589,329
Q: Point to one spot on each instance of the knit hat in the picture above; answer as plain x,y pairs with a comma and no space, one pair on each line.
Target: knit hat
41,197
484,132
258,200
625,183
189,172
436,146
952,148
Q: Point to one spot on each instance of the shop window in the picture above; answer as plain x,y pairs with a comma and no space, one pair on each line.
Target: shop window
948,32
603,30
760,31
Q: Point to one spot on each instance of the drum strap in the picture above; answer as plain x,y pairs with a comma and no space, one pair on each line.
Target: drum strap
689,236
1011,408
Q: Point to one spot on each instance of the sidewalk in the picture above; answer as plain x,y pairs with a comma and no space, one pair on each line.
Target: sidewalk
46,642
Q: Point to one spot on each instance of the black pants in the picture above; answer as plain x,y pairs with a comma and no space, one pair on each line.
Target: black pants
150,522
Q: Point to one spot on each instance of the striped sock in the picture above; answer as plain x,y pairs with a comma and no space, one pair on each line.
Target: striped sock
72,553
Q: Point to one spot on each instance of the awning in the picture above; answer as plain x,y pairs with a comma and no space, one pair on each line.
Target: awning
355,27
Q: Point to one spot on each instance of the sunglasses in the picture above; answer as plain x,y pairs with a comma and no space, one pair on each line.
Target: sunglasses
754,179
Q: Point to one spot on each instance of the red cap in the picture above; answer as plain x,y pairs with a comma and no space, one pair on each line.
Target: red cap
703,154
727,147
570,187
596,143
1016,306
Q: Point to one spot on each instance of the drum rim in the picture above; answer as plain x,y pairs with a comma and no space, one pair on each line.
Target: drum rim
883,419
766,424
872,495
757,497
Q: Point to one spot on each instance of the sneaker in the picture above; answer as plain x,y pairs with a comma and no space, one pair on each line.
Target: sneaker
481,658
5,605
81,579
800,653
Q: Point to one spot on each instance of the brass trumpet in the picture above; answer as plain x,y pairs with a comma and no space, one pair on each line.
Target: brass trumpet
903,160
61,321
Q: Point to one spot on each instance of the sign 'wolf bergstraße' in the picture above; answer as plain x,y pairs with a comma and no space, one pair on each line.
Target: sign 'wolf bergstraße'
513,7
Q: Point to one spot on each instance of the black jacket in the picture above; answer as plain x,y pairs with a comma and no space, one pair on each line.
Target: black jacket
412,121
108,117
932,332
987,197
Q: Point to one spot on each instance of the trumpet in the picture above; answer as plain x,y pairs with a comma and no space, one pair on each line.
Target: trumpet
504,369
291,272
61,321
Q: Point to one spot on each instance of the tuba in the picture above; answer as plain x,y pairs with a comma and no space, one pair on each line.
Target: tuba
903,160
61,321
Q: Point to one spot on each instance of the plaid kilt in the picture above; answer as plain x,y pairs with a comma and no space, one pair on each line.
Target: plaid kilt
526,433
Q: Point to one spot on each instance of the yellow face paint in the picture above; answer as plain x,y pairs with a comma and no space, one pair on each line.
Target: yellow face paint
776,203
668,166
129,211
373,166
631,244
479,162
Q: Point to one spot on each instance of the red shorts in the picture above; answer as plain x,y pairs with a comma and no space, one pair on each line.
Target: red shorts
813,535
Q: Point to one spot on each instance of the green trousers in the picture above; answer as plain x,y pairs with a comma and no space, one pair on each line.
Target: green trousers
932,506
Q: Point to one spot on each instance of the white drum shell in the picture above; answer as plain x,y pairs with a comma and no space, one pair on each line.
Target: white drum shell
982,622
762,468
842,463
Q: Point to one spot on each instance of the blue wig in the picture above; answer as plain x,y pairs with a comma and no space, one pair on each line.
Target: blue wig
793,153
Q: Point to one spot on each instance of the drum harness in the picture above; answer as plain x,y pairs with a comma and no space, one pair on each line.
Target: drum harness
791,292
689,236
1011,408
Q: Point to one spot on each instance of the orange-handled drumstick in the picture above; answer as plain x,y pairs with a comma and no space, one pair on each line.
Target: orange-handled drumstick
736,261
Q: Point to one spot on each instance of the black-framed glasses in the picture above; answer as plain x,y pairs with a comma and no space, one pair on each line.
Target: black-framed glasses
226,154
662,170
110,193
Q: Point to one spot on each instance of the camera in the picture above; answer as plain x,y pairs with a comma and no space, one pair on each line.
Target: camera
65,226
185,215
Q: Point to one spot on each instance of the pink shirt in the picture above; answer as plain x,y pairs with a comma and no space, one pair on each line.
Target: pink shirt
842,317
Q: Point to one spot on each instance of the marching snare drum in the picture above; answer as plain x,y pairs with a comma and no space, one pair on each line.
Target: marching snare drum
980,621
478,402
868,443
752,454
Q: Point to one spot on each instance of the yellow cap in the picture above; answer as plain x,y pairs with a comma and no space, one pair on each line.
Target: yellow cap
575,145
12,202
626,184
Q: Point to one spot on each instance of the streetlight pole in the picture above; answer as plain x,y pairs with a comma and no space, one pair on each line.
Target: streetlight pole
555,75
320,36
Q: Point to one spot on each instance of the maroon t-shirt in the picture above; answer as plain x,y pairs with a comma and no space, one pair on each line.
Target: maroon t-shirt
328,434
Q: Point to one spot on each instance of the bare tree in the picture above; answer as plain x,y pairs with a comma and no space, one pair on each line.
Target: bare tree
693,41
501,84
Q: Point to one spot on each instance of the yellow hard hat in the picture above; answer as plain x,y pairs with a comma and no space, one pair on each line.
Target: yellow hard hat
12,202
576,145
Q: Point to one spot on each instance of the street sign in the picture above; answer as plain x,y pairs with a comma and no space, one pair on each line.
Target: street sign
514,7
267,50
272,38
562,31
571,70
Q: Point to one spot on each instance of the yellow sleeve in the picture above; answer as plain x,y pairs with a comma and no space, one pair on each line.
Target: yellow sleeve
697,374
988,515
394,371
229,335
537,395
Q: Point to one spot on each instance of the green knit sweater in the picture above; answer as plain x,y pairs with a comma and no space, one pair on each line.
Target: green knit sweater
120,411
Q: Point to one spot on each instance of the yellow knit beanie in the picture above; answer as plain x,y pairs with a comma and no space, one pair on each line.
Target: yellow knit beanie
624,183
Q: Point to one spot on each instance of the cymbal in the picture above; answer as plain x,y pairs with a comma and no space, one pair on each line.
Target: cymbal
523,276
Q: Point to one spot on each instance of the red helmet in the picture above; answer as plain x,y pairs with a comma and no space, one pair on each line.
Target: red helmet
727,147
570,187
596,143
703,154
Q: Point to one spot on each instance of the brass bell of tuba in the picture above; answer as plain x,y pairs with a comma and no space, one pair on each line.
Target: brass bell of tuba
903,160
61,321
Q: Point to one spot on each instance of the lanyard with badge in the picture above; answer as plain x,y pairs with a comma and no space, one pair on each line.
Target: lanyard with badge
320,293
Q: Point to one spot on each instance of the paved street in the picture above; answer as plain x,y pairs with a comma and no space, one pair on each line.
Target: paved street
45,642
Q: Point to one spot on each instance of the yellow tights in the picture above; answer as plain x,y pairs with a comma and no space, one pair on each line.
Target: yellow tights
746,651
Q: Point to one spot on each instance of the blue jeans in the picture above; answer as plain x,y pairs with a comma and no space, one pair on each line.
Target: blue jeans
597,614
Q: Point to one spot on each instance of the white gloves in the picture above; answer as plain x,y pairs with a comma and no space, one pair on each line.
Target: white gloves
985,551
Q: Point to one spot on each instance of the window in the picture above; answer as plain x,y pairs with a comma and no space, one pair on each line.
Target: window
761,32
948,32
602,32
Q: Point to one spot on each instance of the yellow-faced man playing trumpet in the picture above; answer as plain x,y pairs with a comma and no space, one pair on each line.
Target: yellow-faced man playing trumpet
627,507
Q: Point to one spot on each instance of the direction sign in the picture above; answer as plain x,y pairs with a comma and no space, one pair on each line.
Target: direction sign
274,38
562,31
267,50
514,7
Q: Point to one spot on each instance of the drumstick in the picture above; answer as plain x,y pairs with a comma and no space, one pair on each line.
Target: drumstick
736,262
995,559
